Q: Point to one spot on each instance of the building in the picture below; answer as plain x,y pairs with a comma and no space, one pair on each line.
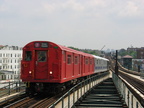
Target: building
133,49
10,58
138,64
6,75
127,62
140,53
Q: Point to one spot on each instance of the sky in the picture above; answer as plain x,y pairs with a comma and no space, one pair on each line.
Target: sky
89,24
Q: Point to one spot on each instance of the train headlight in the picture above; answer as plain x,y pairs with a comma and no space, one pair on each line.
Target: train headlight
51,72
30,72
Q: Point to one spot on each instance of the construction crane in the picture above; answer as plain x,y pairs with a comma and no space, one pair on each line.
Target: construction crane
102,48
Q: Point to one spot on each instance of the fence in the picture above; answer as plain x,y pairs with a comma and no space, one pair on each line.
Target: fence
130,100
11,87
79,91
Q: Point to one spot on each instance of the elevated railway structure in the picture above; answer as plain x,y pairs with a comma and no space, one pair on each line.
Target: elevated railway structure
127,92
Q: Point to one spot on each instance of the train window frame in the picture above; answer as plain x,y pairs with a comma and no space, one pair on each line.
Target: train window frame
37,44
69,59
42,57
76,59
64,55
44,45
28,56
86,61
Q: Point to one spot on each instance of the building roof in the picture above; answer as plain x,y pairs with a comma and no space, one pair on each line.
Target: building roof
127,56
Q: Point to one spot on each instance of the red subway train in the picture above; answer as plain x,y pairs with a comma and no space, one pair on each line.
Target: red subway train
49,67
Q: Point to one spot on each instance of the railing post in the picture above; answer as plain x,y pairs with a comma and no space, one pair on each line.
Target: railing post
77,94
16,87
68,99
128,98
137,105
62,102
84,88
131,101
73,96
81,90
19,85
9,88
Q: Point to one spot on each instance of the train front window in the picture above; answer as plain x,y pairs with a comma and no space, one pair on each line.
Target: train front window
28,55
42,56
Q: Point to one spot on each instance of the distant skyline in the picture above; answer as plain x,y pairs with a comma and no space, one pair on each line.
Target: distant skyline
89,24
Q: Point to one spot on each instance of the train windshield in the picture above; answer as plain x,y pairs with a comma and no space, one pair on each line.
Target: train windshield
42,56
28,56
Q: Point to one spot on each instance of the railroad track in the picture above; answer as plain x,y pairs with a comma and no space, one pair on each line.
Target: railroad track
44,103
36,101
136,83
112,65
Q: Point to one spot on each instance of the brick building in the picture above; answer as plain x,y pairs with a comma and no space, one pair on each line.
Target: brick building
140,53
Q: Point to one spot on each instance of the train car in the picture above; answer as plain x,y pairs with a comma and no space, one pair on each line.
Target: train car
48,67
101,64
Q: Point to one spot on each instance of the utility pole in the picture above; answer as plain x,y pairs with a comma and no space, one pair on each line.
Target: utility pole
116,64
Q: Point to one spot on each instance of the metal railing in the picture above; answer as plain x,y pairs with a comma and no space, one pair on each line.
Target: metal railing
11,87
127,96
79,91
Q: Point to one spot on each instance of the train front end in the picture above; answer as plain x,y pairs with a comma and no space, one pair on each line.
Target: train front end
40,65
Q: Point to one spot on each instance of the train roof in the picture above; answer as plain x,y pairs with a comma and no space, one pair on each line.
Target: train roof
61,47
98,57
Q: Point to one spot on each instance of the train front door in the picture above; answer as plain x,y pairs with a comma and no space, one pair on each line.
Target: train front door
41,65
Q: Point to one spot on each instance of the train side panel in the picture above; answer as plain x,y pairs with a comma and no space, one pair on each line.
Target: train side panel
101,64
71,68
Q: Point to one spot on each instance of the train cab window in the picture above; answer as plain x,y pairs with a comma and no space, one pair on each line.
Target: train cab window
42,56
28,55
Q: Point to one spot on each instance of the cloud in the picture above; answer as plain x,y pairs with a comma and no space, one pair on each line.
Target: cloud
74,5
131,9
49,7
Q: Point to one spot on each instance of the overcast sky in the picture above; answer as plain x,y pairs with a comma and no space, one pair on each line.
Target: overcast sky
78,23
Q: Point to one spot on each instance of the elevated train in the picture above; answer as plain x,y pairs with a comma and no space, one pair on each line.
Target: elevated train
47,66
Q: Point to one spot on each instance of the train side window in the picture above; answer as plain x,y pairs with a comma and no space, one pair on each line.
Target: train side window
86,61
76,60
64,55
69,59
28,56
90,61
42,56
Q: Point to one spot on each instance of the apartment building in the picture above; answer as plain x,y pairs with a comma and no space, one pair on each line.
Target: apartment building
10,58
